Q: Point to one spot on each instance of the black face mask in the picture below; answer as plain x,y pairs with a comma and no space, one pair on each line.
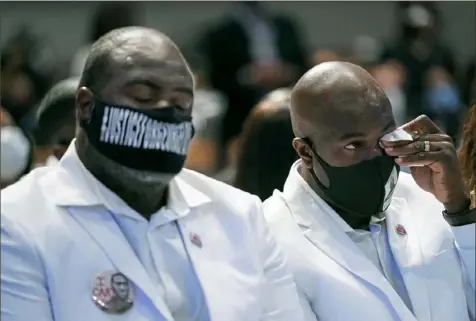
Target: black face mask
153,140
364,189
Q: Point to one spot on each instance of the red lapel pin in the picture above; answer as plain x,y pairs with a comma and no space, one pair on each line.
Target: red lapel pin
195,239
401,230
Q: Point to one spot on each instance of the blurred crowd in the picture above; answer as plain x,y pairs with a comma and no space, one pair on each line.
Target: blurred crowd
243,133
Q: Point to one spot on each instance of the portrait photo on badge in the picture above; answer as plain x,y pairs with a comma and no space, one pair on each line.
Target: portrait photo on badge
113,292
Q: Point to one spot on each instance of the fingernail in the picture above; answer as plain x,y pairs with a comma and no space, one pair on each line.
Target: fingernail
399,160
389,149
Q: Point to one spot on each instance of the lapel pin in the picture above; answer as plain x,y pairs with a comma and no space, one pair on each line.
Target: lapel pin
401,230
195,239
113,292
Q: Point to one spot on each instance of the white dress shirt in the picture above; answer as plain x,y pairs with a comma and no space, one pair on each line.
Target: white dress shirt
158,244
374,244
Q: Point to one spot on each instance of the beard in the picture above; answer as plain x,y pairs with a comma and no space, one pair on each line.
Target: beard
130,179
129,175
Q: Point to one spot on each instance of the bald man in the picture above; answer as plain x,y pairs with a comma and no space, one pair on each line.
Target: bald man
118,230
55,122
364,241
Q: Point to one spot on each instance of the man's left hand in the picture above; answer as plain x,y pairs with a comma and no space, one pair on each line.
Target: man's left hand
433,161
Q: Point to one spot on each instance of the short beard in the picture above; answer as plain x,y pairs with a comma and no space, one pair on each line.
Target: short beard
129,178
130,184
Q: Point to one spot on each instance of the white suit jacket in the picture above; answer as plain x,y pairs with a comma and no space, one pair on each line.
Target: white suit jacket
55,240
337,282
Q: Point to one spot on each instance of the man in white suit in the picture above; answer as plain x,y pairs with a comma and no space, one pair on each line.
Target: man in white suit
361,245
118,230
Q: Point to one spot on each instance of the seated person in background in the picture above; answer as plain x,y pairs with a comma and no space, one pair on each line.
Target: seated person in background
365,51
24,79
55,122
250,52
15,150
419,49
390,77
107,16
364,241
265,151
443,101
209,107
325,55
467,152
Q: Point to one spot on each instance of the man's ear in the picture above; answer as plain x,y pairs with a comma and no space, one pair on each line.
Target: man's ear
84,105
304,151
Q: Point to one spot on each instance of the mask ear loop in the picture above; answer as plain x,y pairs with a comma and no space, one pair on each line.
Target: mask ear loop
311,170
309,145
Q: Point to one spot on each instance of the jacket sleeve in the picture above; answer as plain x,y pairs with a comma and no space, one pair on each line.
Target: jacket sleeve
24,291
465,239
280,294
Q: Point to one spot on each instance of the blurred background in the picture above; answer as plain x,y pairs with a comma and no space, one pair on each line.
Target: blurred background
422,53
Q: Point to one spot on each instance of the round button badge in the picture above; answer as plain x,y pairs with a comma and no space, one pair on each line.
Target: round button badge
113,292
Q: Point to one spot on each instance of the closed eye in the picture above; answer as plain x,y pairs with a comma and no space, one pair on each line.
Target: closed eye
143,93
144,100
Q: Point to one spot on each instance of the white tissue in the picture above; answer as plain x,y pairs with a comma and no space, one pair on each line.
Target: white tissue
399,134
396,135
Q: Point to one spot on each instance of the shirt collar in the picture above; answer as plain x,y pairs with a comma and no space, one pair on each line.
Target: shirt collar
76,186
299,181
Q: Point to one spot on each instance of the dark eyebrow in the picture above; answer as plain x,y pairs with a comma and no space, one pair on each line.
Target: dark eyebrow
351,135
360,134
146,82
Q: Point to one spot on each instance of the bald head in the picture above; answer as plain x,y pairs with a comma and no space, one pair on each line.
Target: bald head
56,111
342,112
63,92
333,96
126,48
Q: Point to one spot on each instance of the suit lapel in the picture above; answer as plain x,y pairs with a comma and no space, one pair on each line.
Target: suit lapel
338,246
192,240
405,245
102,227
313,216
207,241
